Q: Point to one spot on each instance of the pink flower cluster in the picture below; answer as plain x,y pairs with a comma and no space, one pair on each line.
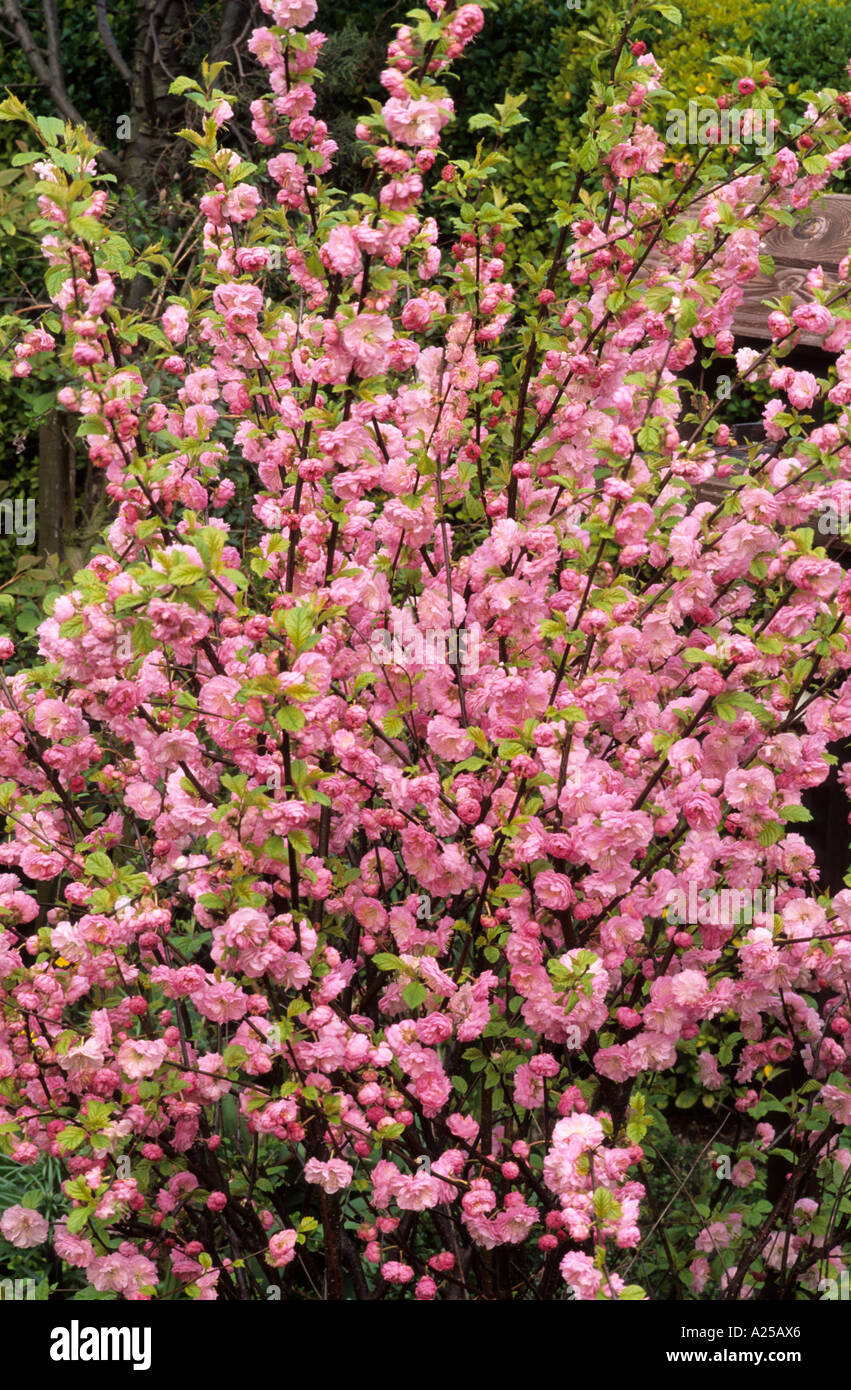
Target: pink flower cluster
405,924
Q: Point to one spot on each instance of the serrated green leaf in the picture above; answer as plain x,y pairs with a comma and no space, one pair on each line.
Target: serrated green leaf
414,994
291,718
78,1219
99,865
71,1137
384,960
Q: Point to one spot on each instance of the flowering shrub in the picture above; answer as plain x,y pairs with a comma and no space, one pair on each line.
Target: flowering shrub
353,977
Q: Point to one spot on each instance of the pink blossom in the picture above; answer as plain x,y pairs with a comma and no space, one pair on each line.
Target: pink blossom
138,1057
282,1248
342,252
290,14
416,122
802,390
331,1175
175,322
23,1227
366,339
743,1173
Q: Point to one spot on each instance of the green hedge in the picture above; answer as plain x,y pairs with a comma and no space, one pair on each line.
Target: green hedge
544,49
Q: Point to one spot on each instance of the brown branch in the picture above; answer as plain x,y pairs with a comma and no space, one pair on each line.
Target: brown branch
51,24
107,38
235,21
50,77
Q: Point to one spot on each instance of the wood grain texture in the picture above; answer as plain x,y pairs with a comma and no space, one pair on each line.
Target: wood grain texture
822,238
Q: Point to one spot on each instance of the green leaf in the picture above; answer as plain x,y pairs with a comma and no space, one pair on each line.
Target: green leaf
182,575
688,315
98,1113
300,841
726,708
290,718
300,624
78,1190
391,1131
51,128
71,1137
588,155
607,599
99,865
510,748
606,1206
275,848
77,1219
574,714
728,705
686,1099
508,890
72,627
383,960
770,833
183,84
414,994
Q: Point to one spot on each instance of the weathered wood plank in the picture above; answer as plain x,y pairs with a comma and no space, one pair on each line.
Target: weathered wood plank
822,238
